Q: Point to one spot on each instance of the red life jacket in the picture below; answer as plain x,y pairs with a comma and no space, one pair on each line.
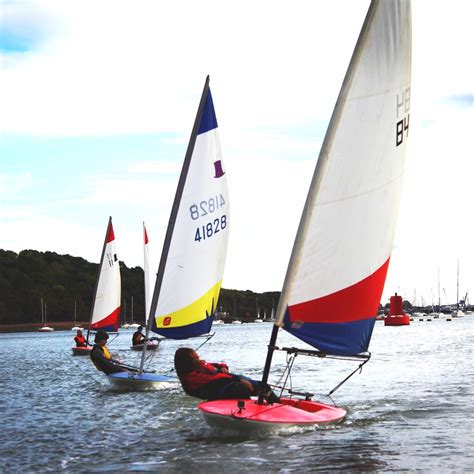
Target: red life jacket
198,379
80,341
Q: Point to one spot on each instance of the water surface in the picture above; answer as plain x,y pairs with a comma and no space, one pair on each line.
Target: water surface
409,409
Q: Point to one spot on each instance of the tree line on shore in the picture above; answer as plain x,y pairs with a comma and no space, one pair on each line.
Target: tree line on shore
66,284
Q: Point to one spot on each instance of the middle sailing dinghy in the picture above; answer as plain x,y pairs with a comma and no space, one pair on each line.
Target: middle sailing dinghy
192,262
341,253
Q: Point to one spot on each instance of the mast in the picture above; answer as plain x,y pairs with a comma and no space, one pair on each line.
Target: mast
439,295
318,175
457,289
97,279
173,215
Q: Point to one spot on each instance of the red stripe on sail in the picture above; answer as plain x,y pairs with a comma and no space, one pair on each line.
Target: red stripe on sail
354,303
110,234
111,320
146,236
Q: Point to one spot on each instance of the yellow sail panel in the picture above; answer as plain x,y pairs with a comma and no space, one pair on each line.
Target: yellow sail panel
193,313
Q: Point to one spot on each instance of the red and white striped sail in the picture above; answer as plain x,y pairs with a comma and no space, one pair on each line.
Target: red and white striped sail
106,304
342,250
147,275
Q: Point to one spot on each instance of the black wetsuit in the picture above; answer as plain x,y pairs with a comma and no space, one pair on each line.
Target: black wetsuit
102,363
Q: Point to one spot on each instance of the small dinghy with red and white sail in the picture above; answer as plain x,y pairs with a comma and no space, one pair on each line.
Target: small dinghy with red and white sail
191,268
151,345
105,311
337,270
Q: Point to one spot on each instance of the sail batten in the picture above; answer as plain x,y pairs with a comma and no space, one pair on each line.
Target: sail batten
340,258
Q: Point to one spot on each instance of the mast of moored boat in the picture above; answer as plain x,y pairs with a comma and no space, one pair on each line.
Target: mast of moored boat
313,192
172,220
97,279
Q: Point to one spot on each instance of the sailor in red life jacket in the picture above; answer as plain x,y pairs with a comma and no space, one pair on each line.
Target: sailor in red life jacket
212,381
80,339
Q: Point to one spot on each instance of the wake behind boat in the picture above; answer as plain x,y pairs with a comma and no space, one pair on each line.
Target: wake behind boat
340,257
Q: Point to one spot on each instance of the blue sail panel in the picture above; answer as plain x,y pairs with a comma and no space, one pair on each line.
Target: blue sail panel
345,338
208,119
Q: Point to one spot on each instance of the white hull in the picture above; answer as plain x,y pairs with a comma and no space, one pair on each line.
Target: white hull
140,383
45,329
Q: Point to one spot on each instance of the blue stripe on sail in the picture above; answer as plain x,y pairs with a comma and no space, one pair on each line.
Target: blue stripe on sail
110,328
183,332
208,118
335,338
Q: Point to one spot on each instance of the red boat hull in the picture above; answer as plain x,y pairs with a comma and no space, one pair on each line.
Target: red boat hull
251,416
151,346
81,351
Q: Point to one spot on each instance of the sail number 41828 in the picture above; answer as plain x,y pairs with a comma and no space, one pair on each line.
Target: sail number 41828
206,231
206,207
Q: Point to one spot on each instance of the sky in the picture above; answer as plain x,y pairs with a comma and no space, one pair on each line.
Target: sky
98,99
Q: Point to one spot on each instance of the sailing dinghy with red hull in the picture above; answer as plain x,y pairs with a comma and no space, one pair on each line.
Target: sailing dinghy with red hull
150,345
191,268
336,274
105,311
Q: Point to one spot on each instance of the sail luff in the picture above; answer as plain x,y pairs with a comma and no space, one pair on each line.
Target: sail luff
321,166
97,278
174,213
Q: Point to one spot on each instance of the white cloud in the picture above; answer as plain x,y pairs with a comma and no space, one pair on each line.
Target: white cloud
119,67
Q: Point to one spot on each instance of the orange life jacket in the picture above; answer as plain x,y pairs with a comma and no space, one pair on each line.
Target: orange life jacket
80,341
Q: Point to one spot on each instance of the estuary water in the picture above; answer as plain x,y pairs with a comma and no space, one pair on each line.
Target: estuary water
409,409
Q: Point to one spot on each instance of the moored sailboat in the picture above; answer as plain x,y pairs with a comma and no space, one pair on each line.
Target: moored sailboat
44,318
105,310
191,268
340,257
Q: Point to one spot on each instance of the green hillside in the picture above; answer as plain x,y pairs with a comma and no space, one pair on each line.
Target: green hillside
63,280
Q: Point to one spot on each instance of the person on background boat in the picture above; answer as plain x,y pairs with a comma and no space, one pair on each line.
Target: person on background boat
211,381
138,337
101,357
80,339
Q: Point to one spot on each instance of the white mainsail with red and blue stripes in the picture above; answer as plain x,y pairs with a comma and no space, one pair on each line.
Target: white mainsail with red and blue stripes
105,312
342,250
192,263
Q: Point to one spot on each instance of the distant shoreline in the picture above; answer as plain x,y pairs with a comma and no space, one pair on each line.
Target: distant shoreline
33,327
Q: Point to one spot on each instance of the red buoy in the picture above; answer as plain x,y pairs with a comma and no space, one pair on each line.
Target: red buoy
397,316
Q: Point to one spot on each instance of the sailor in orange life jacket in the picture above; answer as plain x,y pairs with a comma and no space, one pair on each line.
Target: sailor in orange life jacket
211,381
101,357
80,339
